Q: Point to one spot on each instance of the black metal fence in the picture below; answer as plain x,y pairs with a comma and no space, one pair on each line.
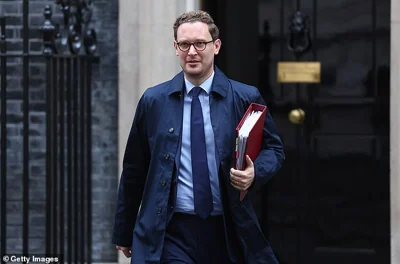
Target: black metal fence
68,56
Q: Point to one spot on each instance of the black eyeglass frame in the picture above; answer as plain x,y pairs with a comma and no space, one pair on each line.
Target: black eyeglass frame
193,44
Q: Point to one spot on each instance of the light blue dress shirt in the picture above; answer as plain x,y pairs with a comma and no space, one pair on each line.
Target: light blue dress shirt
185,202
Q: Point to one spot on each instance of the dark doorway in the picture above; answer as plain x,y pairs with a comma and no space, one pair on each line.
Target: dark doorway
331,201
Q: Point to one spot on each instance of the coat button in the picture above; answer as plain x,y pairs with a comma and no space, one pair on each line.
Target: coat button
163,182
171,130
159,210
166,156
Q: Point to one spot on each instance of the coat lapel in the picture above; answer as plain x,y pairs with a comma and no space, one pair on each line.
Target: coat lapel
221,117
173,113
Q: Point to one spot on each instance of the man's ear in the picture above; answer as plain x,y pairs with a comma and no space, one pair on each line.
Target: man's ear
176,48
217,46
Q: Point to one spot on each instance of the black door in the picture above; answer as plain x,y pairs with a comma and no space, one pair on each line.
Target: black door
330,202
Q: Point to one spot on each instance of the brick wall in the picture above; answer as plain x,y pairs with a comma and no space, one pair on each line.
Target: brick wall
104,100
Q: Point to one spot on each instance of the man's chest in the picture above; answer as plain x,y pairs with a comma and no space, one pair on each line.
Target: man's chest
171,126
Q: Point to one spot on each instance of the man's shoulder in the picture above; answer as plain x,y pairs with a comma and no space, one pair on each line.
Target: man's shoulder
157,90
154,95
240,85
233,84
243,89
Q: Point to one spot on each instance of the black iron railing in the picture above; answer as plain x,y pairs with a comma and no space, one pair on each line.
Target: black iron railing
68,56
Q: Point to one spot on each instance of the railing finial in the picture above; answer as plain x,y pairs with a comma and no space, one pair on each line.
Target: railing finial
48,30
76,32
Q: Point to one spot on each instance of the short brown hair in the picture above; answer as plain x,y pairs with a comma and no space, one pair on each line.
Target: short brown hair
197,16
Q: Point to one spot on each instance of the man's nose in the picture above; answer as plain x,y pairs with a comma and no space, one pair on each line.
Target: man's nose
192,50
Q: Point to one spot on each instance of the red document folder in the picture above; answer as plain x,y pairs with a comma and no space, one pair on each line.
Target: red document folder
254,140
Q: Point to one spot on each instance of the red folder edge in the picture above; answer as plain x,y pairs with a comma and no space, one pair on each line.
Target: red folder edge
253,145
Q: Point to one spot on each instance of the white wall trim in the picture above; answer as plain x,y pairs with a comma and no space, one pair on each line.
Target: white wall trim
145,48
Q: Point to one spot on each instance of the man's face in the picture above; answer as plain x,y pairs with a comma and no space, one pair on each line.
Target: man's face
197,64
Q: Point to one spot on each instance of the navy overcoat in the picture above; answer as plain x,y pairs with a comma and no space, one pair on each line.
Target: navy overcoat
147,189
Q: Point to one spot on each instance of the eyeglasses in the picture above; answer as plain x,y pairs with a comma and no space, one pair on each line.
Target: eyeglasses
198,45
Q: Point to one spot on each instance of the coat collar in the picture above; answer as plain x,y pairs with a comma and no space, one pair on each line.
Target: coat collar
219,85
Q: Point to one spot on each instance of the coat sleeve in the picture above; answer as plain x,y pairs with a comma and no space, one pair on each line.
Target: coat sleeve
271,156
133,177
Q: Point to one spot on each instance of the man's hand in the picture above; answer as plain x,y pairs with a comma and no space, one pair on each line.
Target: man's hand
242,179
126,250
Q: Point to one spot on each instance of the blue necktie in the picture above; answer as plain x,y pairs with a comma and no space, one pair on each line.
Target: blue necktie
203,203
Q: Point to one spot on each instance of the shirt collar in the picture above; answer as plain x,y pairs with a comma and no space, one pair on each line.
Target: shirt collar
206,85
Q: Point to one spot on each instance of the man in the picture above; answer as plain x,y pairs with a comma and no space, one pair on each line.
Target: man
178,199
